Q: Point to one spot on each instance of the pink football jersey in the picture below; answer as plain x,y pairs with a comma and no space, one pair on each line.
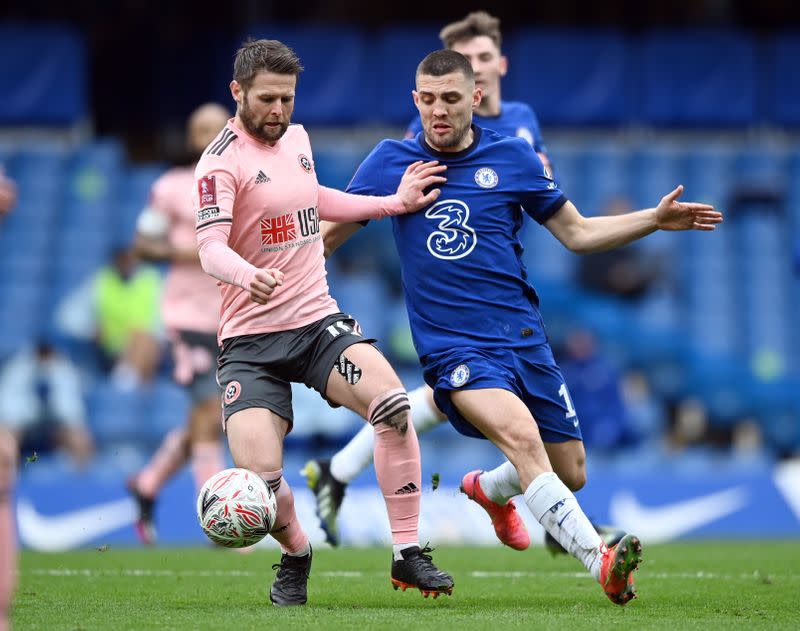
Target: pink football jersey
191,299
269,197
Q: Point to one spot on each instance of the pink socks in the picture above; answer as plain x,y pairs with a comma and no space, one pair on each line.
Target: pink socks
287,530
397,463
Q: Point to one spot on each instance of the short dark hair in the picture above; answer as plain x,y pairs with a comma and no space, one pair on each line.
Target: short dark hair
264,55
442,62
475,24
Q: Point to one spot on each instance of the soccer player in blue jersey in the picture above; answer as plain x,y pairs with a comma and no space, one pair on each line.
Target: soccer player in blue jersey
474,316
478,38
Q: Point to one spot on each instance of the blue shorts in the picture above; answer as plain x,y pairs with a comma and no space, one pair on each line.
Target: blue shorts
531,373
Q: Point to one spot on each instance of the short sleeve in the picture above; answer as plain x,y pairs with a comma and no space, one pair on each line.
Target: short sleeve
370,178
539,193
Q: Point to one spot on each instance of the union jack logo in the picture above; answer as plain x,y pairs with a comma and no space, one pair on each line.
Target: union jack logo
278,230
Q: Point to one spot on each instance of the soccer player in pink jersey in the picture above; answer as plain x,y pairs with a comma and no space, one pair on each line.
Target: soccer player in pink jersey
8,546
258,211
190,312
8,467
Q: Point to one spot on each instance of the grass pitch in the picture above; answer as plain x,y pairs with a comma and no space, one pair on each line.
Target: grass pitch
698,585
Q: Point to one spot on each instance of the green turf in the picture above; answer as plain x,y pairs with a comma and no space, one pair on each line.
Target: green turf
681,586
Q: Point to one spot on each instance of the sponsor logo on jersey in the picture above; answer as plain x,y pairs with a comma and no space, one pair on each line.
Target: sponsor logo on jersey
486,177
278,229
454,238
207,188
459,376
204,214
306,163
262,178
232,392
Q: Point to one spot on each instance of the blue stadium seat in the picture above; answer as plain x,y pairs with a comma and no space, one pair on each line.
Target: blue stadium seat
571,76
606,170
698,77
115,416
709,173
397,52
335,163
782,88
50,87
654,171
167,409
335,60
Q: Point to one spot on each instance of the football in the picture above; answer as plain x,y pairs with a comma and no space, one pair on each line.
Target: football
236,508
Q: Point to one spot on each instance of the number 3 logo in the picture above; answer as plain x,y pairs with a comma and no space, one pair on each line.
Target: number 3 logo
454,238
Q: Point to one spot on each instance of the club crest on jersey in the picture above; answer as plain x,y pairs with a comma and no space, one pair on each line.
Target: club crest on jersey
486,177
207,188
232,392
459,376
307,165
454,238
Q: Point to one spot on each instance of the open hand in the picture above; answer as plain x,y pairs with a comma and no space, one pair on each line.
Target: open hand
264,284
674,215
419,176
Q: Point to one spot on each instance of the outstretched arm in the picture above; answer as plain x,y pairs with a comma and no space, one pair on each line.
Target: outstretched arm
584,235
335,205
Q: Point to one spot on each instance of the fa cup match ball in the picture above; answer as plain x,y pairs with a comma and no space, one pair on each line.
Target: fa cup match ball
236,508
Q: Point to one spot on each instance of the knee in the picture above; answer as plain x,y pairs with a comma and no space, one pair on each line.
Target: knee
390,409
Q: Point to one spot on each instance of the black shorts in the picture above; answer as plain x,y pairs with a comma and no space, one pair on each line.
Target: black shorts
195,357
256,371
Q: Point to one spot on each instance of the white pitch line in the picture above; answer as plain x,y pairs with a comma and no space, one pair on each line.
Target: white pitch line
67,572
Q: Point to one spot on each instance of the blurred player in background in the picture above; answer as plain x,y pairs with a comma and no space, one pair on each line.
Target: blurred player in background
479,39
474,316
258,208
8,471
8,539
190,311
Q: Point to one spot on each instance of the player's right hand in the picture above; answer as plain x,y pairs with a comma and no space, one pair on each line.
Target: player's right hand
264,283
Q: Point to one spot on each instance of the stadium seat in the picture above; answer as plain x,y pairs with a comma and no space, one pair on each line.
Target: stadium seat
335,60
116,416
698,77
571,76
782,83
167,408
397,50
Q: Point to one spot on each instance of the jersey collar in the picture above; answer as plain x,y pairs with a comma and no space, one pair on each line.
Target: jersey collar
451,155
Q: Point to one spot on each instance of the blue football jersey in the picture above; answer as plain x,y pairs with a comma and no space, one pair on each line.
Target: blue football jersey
515,119
464,281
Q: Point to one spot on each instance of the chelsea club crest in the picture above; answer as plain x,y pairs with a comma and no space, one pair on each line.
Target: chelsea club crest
459,376
486,177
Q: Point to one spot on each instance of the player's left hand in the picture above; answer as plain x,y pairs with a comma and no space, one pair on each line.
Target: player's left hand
674,215
419,176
